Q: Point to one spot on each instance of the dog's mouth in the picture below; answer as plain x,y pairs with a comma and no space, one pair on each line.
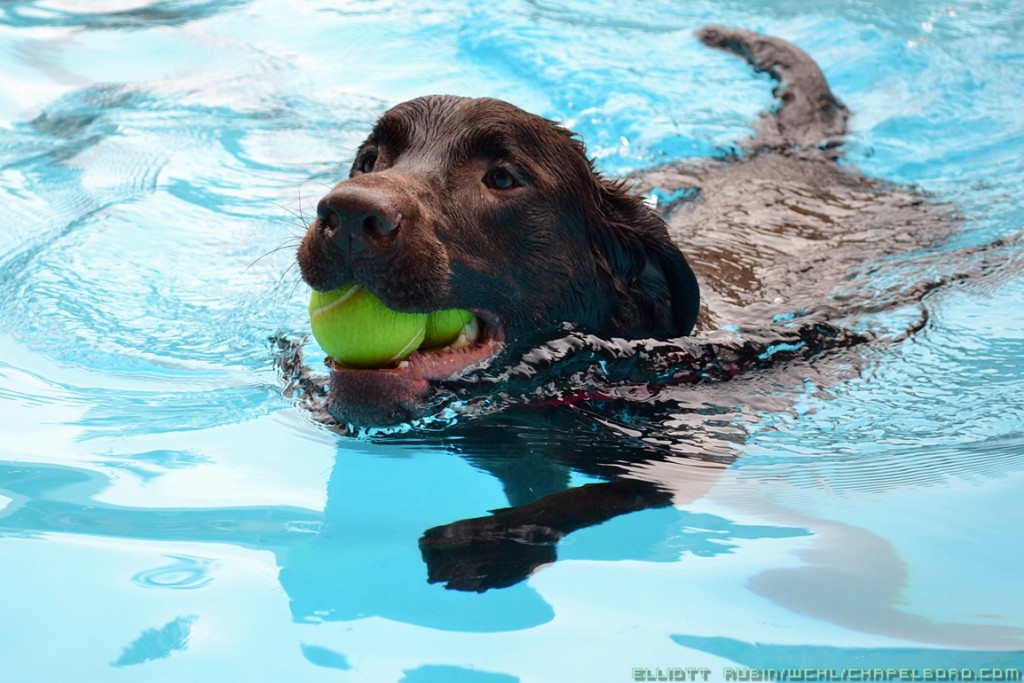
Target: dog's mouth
375,379
476,344
411,388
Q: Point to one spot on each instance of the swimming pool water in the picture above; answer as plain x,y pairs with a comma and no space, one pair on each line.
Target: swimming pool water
168,513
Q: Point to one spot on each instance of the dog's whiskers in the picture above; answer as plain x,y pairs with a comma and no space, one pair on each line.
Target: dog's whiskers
292,243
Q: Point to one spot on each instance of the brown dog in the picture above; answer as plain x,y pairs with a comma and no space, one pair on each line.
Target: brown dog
475,204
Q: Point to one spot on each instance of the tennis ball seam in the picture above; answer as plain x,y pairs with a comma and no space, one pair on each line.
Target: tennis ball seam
337,302
405,351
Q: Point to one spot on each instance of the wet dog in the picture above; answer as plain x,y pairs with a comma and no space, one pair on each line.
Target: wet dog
476,204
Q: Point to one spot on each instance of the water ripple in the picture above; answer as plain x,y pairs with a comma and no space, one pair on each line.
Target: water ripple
159,13
186,573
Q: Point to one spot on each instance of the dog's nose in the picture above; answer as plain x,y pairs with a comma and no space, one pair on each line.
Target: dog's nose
358,218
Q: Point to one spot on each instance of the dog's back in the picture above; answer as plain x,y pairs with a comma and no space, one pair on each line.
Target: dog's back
783,231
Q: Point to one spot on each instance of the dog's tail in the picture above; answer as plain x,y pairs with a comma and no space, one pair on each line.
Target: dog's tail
809,118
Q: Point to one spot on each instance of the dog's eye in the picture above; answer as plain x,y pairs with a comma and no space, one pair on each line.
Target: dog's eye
367,163
500,179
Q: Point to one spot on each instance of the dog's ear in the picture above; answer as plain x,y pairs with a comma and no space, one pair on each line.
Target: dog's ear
668,271
653,289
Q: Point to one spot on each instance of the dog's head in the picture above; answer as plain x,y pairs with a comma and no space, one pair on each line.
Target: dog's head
476,204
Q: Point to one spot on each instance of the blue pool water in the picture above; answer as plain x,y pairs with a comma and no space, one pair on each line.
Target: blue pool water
167,513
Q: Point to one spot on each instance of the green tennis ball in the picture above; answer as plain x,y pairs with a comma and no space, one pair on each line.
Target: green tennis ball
355,328
443,327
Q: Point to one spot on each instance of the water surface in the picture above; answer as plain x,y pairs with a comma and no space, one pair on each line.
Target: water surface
167,512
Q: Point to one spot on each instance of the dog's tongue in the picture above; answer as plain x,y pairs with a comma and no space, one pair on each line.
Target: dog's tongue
433,364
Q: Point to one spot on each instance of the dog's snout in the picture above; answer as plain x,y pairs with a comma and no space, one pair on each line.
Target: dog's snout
358,218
